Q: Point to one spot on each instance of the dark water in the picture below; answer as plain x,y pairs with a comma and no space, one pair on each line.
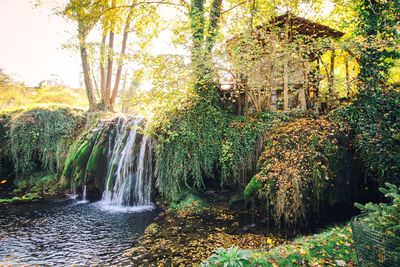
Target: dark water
67,234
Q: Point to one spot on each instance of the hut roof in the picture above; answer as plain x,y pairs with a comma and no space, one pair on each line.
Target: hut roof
299,25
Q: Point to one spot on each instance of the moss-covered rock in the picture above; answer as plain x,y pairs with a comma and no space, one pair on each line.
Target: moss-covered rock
33,145
35,137
302,170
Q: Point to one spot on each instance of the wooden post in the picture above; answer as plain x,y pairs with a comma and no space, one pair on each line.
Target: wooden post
302,93
285,84
317,87
286,68
347,77
331,73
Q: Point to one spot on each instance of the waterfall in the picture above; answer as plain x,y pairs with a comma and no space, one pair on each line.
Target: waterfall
129,172
84,193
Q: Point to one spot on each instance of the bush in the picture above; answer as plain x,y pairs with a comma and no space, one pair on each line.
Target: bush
384,217
204,142
242,144
301,170
332,247
375,122
233,257
188,150
36,137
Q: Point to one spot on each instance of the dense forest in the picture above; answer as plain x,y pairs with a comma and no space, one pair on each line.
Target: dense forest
211,133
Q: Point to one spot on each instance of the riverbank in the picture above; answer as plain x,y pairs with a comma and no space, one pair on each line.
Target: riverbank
187,237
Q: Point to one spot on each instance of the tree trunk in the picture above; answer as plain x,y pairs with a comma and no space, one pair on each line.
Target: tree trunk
110,61
102,63
86,67
302,91
120,61
87,79
347,77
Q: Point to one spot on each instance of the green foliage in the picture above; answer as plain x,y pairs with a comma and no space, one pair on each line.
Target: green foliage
204,142
375,121
332,247
300,171
242,144
36,134
384,217
36,185
190,204
233,257
252,187
377,38
25,198
188,150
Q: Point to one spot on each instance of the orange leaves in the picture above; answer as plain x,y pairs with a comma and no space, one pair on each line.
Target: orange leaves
296,167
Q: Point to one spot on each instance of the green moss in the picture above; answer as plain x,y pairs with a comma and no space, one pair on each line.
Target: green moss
96,158
252,188
190,204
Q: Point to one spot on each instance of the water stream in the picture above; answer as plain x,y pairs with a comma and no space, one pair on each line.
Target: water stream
67,234
79,233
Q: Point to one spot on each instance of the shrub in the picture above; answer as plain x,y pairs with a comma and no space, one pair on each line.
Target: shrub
36,136
375,122
301,170
332,247
384,217
233,257
188,150
205,142
242,144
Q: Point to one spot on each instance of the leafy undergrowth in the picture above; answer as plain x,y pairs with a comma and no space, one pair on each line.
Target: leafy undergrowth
332,247
374,119
32,187
302,170
189,238
25,198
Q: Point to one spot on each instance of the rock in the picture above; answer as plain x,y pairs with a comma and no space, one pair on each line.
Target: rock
340,263
152,229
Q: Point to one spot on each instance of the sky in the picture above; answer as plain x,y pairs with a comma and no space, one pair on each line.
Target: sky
32,39
31,44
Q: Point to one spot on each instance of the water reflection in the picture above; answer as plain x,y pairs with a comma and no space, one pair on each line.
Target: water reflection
65,233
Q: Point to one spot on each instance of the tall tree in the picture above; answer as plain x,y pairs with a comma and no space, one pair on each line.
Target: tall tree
115,18
377,27
204,33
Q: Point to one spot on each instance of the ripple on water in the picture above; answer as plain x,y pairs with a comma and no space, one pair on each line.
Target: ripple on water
69,234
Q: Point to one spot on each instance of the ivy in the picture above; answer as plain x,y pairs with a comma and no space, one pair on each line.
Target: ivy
36,135
378,37
374,119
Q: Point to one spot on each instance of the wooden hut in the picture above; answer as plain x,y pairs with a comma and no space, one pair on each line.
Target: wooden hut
278,67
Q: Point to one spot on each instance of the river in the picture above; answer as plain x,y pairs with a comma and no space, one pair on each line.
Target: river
68,233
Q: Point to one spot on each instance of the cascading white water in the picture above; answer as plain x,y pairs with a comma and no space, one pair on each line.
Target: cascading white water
84,193
129,175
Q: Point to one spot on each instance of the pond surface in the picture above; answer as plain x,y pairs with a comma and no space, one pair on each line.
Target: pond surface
68,233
